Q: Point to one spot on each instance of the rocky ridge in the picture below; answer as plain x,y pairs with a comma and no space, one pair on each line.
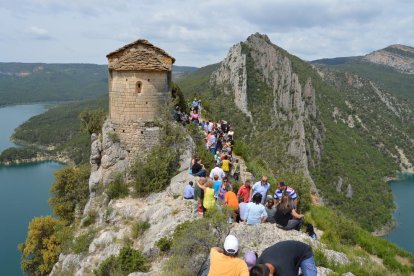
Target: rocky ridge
163,211
399,57
292,101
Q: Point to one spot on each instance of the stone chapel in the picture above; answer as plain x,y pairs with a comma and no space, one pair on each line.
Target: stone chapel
139,82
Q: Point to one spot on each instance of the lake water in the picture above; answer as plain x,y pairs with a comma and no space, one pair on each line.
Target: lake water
403,191
24,190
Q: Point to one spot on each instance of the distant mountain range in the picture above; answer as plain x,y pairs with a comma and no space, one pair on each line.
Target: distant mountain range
392,68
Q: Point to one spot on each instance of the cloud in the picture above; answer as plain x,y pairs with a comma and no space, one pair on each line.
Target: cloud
198,32
39,33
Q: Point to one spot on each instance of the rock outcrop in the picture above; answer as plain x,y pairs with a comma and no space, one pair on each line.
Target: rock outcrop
292,101
399,57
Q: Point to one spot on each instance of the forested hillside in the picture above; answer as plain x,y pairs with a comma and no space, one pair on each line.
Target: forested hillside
295,117
40,82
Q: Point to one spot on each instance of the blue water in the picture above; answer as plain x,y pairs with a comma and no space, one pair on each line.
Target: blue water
403,234
24,190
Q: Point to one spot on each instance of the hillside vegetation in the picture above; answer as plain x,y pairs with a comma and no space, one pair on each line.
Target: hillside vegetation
40,82
56,132
354,160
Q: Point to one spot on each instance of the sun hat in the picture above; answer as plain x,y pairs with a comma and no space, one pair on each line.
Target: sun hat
231,244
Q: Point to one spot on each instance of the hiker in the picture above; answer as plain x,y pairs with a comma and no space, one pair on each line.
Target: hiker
198,197
241,216
222,191
198,168
250,257
194,116
282,188
189,190
285,258
256,212
195,104
217,171
216,185
212,142
209,201
286,216
270,209
236,170
231,202
225,165
224,262
261,187
244,191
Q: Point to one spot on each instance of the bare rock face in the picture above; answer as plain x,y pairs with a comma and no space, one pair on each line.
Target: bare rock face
293,102
233,76
397,56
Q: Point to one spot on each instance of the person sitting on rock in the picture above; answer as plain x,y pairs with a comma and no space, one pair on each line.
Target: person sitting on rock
285,258
189,190
224,261
198,168
270,209
242,210
256,212
286,216
282,189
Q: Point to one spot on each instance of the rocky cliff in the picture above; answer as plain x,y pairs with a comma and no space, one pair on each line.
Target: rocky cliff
290,103
399,57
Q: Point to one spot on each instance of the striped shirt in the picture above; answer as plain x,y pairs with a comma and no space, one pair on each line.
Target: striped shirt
289,192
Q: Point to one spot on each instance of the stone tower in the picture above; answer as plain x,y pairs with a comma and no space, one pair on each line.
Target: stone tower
139,87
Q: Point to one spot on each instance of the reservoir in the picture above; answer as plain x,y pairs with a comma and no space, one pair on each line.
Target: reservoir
403,191
24,190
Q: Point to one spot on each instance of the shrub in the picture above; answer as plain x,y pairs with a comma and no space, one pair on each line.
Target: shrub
70,191
92,121
42,247
114,137
139,227
128,261
195,238
89,219
164,244
117,188
82,242
153,172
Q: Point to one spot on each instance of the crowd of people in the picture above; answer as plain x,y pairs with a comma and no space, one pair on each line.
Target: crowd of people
250,204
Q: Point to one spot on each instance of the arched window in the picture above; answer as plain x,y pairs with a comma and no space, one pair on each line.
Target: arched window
138,87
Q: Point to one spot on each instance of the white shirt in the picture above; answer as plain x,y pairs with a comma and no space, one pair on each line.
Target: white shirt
217,171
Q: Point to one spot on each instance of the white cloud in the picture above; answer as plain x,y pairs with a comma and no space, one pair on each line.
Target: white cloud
39,33
201,32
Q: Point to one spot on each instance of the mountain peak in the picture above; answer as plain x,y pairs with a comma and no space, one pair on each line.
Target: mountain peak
398,56
259,36
401,47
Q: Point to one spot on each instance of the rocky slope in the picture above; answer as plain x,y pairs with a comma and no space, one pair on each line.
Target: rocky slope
163,211
399,57
345,133
290,105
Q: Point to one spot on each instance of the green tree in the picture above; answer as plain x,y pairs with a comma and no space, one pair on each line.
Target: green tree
42,247
70,191
92,121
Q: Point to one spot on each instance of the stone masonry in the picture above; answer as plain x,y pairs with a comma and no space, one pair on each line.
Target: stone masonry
139,88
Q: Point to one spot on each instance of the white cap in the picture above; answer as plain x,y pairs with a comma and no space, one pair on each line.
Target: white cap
231,244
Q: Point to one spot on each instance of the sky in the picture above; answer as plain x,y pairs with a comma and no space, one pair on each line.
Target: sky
198,33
